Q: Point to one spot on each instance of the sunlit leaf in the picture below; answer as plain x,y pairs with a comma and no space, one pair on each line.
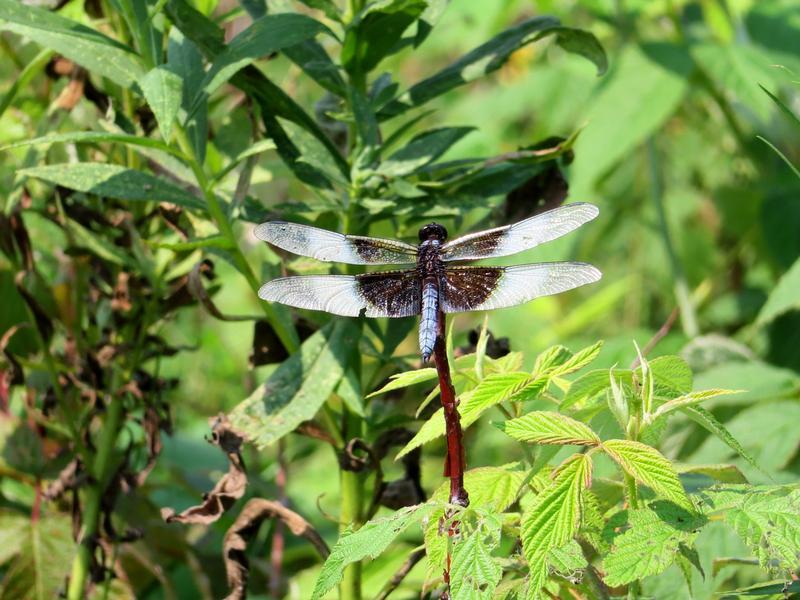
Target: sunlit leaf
543,427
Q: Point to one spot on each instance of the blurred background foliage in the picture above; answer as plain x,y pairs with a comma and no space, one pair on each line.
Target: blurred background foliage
699,235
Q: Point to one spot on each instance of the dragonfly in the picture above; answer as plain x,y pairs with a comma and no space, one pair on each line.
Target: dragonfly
438,284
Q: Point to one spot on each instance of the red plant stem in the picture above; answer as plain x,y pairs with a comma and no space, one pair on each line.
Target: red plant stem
455,462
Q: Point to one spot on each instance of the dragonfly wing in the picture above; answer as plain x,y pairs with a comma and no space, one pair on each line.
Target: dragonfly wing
510,239
330,246
388,294
487,288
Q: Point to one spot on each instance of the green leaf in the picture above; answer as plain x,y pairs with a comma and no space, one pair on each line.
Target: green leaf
13,528
543,427
709,422
577,361
784,158
94,137
422,150
184,59
720,472
651,543
485,59
493,389
583,43
163,91
690,399
553,518
474,572
87,47
587,386
268,34
406,379
671,373
113,181
660,74
738,69
314,60
648,466
368,541
769,589
492,488
39,571
784,297
568,559
788,112
552,357
770,526
299,387
376,31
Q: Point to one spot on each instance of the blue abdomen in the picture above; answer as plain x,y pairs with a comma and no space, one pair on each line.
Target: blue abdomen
427,324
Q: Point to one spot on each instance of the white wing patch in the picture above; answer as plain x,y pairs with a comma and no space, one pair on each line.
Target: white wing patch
524,235
336,294
329,246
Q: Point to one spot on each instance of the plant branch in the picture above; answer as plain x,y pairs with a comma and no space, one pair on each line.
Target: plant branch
401,573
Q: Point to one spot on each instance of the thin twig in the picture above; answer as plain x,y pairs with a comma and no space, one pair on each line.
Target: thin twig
659,335
401,573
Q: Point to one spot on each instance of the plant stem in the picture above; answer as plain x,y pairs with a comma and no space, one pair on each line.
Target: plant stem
630,487
283,329
454,465
682,295
351,510
91,511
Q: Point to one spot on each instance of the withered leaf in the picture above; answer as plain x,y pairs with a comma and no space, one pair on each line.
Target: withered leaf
227,490
246,527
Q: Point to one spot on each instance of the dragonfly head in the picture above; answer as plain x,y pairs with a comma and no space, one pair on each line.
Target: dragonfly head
432,231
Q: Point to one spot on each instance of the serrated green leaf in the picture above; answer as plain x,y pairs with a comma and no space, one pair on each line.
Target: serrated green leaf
87,47
553,518
492,390
13,529
474,573
544,427
648,466
553,356
690,399
650,544
567,559
406,379
113,181
709,422
298,388
493,488
770,526
587,386
368,541
163,91
577,361
421,150
671,373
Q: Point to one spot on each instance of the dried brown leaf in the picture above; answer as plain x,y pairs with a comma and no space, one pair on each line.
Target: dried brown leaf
246,527
227,490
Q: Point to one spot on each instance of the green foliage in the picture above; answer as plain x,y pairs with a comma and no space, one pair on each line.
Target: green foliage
141,140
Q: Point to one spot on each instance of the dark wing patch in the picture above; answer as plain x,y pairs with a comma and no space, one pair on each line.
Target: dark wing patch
466,288
391,293
487,288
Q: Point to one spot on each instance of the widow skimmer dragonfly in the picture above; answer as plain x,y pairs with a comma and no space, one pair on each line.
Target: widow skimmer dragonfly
434,286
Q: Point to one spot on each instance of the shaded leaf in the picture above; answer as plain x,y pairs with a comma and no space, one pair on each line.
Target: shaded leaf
368,541
113,181
89,48
423,149
299,387
784,297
